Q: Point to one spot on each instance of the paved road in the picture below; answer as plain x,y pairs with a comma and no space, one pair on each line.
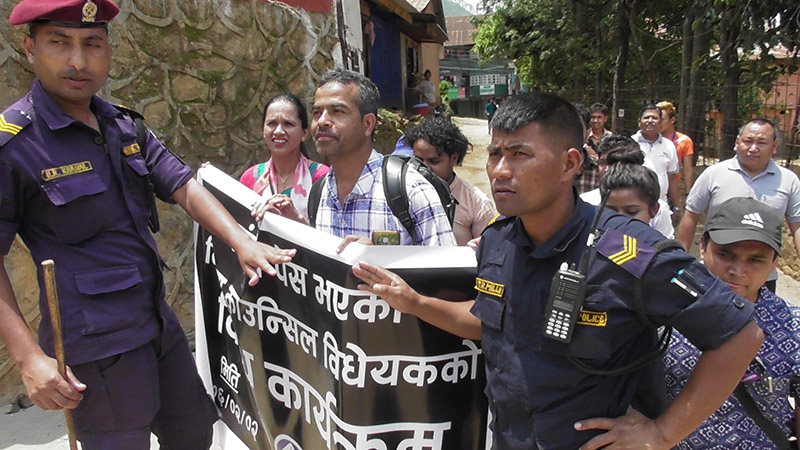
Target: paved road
44,430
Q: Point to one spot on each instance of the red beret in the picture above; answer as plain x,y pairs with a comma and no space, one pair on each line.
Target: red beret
78,12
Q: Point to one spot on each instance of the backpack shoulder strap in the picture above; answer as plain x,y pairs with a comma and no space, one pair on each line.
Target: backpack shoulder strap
314,196
770,428
141,140
394,169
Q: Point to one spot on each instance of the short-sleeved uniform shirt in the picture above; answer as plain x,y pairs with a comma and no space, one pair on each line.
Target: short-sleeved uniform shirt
473,213
662,157
779,358
79,197
535,392
365,208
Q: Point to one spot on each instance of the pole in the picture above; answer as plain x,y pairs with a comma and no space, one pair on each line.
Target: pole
49,270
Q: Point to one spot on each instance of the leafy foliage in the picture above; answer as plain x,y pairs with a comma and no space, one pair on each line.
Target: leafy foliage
571,46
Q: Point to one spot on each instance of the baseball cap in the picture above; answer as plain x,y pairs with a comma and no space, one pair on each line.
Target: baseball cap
745,219
70,13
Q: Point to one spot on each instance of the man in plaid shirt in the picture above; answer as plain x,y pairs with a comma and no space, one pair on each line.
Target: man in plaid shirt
352,203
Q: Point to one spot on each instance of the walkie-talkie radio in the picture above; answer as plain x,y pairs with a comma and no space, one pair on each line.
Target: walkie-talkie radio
566,299
568,290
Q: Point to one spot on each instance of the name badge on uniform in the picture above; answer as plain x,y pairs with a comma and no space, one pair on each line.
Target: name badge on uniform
65,171
591,318
488,287
131,149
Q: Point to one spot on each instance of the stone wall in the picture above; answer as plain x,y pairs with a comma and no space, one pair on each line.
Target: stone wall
201,72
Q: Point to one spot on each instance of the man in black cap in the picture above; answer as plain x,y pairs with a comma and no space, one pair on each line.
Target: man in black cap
740,245
76,185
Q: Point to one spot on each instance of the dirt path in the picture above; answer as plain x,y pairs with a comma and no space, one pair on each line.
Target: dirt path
473,170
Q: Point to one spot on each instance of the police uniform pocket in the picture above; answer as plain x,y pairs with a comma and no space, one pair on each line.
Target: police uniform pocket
490,310
592,336
104,309
137,164
65,190
591,344
78,203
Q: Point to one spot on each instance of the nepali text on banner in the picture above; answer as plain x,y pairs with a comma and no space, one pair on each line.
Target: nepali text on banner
305,360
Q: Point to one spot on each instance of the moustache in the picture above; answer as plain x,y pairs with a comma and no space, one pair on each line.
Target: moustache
76,74
325,131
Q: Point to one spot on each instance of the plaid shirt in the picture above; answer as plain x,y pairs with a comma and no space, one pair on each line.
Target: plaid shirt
365,209
730,426
587,180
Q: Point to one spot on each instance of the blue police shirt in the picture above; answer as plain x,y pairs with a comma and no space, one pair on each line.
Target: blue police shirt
79,197
535,392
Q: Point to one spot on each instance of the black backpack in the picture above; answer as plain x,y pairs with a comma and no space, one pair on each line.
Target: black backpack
394,188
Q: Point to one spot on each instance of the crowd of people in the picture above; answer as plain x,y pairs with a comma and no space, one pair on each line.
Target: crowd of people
578,286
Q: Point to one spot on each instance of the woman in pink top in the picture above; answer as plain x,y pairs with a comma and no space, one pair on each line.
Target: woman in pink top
288,175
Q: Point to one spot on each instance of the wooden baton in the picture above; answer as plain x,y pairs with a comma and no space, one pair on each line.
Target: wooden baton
48,267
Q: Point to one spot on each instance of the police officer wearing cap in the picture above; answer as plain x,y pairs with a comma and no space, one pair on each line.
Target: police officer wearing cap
547,391
74,187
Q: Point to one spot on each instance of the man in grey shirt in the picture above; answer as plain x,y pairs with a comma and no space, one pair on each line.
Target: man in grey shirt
751,173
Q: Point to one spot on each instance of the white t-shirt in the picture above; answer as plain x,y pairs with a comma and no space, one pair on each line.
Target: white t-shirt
660,157
428,91
662,222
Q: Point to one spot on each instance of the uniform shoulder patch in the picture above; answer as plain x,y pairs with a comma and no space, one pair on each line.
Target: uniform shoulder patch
12,121
498,220
626,251
131,112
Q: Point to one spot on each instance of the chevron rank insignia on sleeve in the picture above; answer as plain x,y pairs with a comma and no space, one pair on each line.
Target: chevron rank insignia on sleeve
11,123
626,251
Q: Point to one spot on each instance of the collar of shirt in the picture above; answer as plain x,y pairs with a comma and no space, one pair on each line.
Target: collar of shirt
563,238
771,169
365,182
55,117
638,137
776,318
599,138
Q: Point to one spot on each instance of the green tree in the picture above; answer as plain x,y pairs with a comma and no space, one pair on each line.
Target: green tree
635,51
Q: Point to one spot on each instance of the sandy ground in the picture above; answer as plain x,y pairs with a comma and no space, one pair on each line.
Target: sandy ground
33,428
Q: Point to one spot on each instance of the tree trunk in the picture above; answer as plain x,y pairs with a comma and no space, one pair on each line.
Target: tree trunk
687,36
729,59
598,76
579,83
624,28
696,100
645,55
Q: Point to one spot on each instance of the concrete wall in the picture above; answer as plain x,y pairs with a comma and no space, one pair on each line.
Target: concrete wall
429,60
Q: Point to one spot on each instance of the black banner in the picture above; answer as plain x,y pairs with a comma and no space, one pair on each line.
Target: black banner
305,360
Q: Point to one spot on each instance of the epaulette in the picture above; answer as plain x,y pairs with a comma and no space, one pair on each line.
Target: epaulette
12,121
131,112
497,221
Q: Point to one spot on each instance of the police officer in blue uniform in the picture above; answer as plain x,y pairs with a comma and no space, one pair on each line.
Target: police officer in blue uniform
545,392
74,186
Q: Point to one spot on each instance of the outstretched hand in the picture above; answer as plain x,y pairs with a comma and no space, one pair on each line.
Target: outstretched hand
631,431
388,286
46,387
255,257
349,239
